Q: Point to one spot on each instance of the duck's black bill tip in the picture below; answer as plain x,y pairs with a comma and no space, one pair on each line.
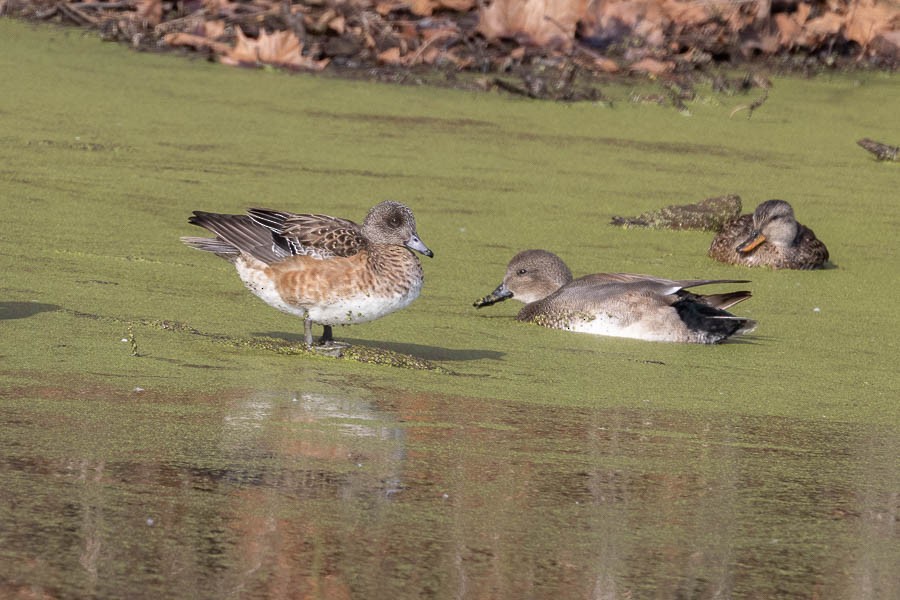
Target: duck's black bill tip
492,298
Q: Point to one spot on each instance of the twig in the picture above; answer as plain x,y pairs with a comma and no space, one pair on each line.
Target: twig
77,15
184,23
101,5
423,47
752,106
44,14
513,88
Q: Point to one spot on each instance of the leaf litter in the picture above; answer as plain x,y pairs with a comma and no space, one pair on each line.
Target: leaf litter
549,49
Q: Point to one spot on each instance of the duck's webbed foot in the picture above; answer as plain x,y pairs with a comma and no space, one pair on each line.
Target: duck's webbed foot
328,346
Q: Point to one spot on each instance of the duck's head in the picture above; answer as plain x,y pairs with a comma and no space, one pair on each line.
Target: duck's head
773,222
393,223
531,275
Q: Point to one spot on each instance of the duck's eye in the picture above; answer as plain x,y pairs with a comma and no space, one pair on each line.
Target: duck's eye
395,222
522,271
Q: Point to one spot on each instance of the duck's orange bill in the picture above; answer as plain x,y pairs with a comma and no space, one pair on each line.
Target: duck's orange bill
750,245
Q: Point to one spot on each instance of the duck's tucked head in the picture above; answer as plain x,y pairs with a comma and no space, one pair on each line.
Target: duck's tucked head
773,222
531,275
393,223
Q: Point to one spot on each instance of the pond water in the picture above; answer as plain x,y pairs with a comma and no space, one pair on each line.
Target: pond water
150,447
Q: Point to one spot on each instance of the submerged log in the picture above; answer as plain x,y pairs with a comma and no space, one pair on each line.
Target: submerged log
706,215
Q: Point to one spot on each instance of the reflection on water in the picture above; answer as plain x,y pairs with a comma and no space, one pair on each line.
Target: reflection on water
297,495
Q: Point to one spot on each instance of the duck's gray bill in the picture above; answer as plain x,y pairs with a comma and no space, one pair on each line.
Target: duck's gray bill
414,243
498,295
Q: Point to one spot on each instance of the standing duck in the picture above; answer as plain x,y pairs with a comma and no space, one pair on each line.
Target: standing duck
323,269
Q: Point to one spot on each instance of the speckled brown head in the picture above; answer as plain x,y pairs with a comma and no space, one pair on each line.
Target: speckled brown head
393,223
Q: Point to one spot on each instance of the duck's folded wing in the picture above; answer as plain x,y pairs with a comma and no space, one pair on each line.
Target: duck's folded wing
235,234
652,282
321,236
811,249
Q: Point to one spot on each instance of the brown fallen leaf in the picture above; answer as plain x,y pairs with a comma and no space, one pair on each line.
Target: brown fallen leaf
868,19
385,7
422,8
765,43
391,56
605,65
338,24
214,29
536,22
425,8
686,13
197,42
617,20
816,30
458,5
282,49
651,66
788,29
150,11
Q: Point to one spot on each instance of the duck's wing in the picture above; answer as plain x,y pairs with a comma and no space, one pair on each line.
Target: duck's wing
734,233
235,234
320,236
650,283
810,252
602,290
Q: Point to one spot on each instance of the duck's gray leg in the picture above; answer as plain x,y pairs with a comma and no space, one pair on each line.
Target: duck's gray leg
307,332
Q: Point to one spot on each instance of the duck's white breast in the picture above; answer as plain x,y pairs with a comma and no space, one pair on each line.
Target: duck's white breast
361,308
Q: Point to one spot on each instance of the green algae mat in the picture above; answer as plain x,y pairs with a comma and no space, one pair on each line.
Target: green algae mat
164,434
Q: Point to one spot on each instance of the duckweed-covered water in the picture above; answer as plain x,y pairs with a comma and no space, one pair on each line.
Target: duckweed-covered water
155,442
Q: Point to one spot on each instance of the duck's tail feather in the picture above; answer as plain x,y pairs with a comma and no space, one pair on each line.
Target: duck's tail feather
217,246
726,300
711,324
236,234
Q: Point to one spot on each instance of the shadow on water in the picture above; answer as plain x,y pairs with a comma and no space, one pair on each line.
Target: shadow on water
23,310
418,350
412,495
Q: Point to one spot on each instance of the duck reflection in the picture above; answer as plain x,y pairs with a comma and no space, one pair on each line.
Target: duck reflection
392,494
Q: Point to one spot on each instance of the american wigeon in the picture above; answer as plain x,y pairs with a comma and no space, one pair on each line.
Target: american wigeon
770,237
323,269
618,304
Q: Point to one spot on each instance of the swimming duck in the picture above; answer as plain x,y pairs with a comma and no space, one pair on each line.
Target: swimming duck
770,237
323,269
618,304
